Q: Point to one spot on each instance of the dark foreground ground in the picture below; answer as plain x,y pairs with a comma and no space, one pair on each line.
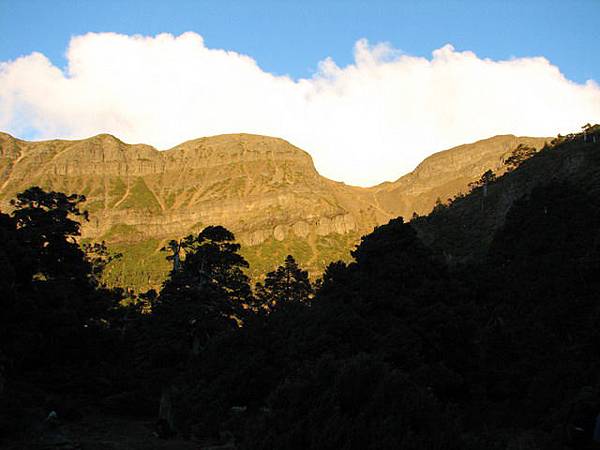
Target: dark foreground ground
95,432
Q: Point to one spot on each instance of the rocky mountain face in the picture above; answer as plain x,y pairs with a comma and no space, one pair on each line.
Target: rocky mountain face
263,189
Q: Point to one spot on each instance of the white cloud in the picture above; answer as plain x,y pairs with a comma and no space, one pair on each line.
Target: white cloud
365,123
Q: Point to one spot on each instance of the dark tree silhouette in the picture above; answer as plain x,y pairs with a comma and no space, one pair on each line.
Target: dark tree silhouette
395,253
46,226
488,177
287,284
175,248
99,257
53,312
211,259
207,296
520,154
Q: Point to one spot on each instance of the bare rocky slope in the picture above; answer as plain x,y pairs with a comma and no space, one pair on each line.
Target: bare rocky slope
263,189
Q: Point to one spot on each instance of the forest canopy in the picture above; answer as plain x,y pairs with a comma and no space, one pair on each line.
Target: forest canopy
405,346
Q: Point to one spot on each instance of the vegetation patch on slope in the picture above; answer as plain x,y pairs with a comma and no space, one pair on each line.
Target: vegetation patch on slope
140,197
143,266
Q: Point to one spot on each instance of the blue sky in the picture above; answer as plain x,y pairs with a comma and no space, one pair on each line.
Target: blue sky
368,88
290,37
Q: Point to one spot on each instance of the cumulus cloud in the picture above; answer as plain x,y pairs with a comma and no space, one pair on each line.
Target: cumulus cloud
365,123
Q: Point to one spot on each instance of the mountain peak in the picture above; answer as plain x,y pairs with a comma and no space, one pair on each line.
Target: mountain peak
105,136
231,143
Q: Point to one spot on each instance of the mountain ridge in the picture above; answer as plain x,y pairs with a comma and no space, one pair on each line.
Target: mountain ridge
266,190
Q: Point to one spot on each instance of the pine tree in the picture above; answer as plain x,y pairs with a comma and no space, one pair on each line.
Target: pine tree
208,295
518,156
46,226
287,284
52,291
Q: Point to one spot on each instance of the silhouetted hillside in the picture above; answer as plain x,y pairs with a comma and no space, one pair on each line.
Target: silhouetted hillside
463,229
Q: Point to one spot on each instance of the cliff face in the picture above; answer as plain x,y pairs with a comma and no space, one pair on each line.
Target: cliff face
264,189
258,186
